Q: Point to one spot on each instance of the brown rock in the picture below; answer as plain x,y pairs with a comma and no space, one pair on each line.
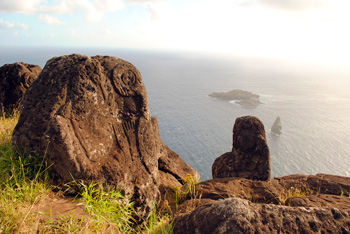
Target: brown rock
320,200
15,79
235,215
250,157
90,115
319,183
252,190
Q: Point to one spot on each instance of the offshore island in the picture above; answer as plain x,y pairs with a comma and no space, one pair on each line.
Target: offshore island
243,98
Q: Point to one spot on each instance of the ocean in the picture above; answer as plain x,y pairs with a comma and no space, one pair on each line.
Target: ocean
313,102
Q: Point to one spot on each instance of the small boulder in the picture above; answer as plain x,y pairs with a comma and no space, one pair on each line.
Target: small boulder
15,79
90,116
250,157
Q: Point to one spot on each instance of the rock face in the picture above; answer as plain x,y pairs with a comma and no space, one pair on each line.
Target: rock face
15,79
277,126
250,157
235,215
91,116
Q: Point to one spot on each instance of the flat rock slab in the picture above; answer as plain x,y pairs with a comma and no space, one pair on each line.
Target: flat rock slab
235,215
252,190
320,200
319,183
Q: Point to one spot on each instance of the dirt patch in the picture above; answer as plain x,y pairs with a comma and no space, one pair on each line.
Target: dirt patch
55,207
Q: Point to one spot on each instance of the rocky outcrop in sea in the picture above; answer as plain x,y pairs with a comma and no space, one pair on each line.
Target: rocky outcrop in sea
277,126
241,97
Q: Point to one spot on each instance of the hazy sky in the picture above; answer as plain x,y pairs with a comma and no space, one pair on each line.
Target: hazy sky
303,29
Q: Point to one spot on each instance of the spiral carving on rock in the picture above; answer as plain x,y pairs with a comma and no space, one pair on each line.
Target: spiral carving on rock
124,80
129,78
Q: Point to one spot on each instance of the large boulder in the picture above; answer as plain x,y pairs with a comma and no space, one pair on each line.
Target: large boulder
235,215
15,79
90,116
250,157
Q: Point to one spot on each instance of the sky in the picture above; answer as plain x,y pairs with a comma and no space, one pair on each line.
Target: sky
310,30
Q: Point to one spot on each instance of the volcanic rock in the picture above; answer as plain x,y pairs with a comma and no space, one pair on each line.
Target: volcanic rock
319,183
90,116
320,200
15,79
235,215
277,126
250,157
252,190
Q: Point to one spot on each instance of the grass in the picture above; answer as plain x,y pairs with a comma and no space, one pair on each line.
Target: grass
25,183
294,192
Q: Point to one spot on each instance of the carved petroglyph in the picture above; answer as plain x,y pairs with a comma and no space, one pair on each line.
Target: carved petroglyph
112,138
124,81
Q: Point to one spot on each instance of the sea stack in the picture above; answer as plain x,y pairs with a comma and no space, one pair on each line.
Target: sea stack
277,126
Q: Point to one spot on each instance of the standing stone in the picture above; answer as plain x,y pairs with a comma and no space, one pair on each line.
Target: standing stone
15,79
250,157
92,116
277,126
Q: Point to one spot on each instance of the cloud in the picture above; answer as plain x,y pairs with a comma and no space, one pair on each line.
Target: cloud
153,14
143,1
93,10
4,24
50,20
19,6
287,5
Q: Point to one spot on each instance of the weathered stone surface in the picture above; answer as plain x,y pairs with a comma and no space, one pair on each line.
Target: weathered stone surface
15,79
252,190
319,183
92,116
277,126
320,200
235,215
250,157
